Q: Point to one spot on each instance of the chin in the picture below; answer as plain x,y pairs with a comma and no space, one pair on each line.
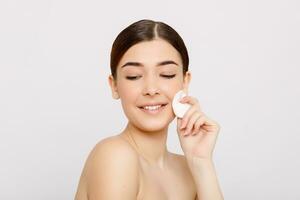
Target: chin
153,125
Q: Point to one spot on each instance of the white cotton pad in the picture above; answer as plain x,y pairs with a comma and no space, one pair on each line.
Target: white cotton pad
178,107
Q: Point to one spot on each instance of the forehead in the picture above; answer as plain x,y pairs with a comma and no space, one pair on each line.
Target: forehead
151,53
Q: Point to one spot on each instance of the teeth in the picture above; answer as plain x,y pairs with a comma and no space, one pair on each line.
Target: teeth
152,107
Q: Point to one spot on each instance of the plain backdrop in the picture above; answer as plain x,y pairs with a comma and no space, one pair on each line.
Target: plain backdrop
56,104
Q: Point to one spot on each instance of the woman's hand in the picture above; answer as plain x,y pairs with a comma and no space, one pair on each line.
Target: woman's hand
197,133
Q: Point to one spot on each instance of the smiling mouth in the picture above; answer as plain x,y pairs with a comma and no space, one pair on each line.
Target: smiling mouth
152,108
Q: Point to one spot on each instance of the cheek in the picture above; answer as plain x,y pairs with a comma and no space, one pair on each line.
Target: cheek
128,93
171,87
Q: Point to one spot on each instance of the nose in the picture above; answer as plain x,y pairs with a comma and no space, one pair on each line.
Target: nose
151,86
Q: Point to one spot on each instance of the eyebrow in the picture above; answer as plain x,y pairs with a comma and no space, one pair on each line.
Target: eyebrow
137,64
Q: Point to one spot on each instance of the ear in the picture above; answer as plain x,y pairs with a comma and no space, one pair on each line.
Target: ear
186,81
113,87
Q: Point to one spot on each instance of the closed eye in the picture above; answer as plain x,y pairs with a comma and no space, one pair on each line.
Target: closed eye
131,77
136,77
169,76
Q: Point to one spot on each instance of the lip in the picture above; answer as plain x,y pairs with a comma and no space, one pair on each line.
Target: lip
153,111
153,104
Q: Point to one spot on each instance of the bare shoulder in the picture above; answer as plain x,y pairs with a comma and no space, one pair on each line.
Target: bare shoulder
112,170
112,146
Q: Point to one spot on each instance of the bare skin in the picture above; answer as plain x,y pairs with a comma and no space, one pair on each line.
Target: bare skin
136,163
173,181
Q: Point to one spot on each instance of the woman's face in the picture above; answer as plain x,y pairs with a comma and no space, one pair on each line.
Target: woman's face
149,73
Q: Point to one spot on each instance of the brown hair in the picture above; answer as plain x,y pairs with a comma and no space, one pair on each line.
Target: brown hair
146,30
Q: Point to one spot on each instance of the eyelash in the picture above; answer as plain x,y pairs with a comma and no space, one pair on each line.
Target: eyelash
165,76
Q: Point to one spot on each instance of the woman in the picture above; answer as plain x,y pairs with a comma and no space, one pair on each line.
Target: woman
149,65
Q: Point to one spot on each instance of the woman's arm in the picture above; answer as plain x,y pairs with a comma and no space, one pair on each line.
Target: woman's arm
197,135
204,174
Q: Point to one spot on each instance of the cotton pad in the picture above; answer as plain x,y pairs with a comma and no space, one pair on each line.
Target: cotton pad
178,107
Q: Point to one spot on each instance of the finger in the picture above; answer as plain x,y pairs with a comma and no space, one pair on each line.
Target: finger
200,121
179,131
188,113
190,100
191,123
211,125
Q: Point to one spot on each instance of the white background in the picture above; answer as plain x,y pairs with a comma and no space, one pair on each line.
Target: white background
55,101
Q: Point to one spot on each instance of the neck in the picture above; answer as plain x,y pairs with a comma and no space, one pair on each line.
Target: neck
150,145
